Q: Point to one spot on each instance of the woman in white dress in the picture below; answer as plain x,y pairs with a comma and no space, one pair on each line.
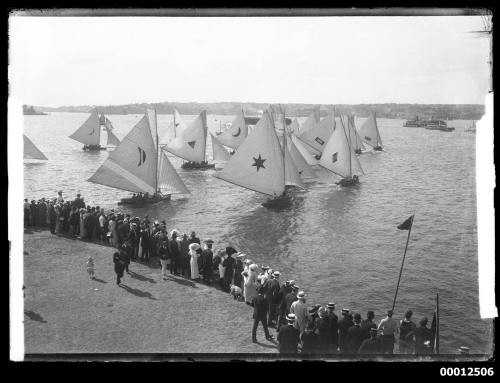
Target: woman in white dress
250,284
194,260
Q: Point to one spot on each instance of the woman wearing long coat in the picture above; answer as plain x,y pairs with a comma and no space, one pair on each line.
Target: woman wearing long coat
229,264
193,252
238,269
250,284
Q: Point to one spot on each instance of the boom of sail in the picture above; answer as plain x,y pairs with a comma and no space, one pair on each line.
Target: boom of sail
258,164
31,152
90,132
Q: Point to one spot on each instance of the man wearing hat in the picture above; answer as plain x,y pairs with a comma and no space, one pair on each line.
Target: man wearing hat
356,335
174,252
271,293
291,297
259,314
207,262
288,336
421,335
344,324
299,308
194,239
370,346
322,328
78,202
334,327
283,292
228,264
262,277
389,328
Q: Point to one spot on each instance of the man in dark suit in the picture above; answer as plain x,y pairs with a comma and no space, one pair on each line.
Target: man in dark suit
174,253
356,335
344,324
207,262
283,292
260,307
272,288
334,327
288,337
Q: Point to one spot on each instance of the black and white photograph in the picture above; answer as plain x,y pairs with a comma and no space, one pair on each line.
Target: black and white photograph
262,184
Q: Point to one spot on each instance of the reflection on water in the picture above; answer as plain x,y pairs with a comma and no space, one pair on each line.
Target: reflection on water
338,244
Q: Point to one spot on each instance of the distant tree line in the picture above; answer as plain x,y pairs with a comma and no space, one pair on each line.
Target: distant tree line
402,111
29,109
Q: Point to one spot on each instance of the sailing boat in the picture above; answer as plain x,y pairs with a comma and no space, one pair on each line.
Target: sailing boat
112,139
316,137
370,134
220,154
190,142
236,134
304,169
89,134
354,138
471,128
31,152
312,120
339,157
149,173
259,163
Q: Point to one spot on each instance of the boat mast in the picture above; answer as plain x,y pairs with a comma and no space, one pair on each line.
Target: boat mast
284,144
348,144
157,152
205,128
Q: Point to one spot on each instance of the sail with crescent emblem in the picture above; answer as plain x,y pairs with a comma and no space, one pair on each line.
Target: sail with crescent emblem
169,180
316,137
132,165
369,132
219,152
90,132
258,163
338,155
236,134
190,142
31,152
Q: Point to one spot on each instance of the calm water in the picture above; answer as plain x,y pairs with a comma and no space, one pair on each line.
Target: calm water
338,245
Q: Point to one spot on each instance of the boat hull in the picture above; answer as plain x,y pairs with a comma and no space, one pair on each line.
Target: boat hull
443,129
346,182
92,148
144,201
278,202
197,166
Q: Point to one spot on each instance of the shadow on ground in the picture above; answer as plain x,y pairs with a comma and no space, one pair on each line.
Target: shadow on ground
137,292
181,281
141,278
100,280
34,316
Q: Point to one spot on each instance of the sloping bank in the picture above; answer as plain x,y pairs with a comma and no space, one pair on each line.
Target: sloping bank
66,312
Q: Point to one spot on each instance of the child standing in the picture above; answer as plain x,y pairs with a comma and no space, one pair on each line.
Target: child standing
90,267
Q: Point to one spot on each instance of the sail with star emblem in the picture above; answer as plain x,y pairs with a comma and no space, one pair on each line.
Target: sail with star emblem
31,152
190,141
258,163
236,134
338,156
315,138
90,132
369,132
132,165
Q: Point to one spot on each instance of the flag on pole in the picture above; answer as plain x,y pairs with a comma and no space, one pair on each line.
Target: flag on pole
406,225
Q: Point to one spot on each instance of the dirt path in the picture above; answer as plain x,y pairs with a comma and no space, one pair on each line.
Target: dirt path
66,312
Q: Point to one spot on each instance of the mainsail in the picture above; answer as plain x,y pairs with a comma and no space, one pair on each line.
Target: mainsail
258,163
292,175
236,134
168,178
303,167
316,137
312,120
132,165
369,132
31,152
295,127
354,138
190,141
339,156
310,159
112,139
219,152
90,132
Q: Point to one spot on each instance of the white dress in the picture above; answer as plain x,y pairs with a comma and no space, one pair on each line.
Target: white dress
194,264
222,269
250,286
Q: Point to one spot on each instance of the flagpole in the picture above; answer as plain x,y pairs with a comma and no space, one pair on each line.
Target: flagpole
402,263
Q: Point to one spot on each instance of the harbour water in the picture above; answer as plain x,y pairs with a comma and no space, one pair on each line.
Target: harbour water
339,245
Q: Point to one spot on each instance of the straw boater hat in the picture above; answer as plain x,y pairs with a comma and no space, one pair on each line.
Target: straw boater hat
331,305
295,288
276,274
290,317
301,295
264,267
345,311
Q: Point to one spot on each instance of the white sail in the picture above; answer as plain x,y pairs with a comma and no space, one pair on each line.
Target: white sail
369,132
295,127
310,159
168,178
312,120
236,134
258,163
190,142
303,167
355,140
316,137
132,165
339,156
292,175
90,132
219,152
112,139
31,152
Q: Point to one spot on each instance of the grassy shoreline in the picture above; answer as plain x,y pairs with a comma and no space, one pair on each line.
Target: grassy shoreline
66,312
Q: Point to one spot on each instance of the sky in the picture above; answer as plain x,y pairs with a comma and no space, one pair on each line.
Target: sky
56,61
